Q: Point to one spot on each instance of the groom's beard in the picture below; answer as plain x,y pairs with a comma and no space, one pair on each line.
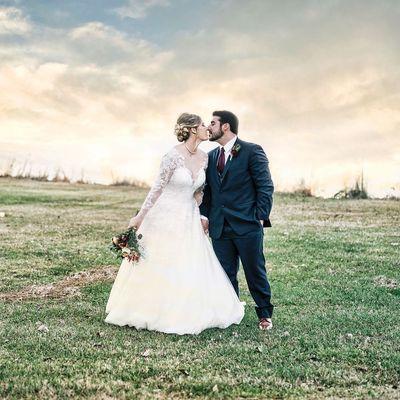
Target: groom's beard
215,136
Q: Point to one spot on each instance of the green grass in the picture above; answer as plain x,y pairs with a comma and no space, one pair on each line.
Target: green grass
334,271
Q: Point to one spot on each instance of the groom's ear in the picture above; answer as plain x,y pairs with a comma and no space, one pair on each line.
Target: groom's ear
226,126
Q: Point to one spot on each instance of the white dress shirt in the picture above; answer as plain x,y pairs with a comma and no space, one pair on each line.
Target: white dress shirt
228,147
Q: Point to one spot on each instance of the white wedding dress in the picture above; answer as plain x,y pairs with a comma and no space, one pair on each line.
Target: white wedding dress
180,286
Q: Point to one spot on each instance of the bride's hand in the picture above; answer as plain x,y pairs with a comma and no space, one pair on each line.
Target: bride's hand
205,224
134,222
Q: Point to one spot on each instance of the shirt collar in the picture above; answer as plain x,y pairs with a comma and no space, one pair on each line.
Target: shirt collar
228,146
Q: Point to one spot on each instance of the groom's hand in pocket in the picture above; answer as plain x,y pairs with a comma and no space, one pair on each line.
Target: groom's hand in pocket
205,224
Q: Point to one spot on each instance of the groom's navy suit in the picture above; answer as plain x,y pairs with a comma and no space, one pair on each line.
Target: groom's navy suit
234,202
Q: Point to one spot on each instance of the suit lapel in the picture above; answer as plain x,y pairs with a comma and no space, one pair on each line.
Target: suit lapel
228,164
214,166
214,159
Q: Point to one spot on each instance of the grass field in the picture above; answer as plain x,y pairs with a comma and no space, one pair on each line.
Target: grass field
334,270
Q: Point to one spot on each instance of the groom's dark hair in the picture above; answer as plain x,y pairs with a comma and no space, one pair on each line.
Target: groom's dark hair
226,117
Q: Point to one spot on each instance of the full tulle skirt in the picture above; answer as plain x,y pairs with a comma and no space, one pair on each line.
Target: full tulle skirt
180,286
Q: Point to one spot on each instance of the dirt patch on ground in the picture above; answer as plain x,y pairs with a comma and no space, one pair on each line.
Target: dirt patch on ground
69,286
383,281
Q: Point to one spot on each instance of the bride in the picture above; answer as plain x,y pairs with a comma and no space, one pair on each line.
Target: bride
179,286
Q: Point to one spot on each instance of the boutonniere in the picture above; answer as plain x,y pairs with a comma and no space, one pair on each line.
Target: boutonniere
235,150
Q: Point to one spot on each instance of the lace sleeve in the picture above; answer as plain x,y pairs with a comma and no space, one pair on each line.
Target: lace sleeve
198,194
167,167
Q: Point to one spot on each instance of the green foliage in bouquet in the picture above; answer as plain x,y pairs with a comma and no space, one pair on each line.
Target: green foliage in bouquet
126,245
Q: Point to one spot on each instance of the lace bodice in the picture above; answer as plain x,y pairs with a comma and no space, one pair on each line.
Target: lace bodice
179,175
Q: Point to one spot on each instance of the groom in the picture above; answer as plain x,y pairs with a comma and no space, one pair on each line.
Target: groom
236,205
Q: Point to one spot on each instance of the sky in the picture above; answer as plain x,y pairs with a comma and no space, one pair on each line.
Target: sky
95,87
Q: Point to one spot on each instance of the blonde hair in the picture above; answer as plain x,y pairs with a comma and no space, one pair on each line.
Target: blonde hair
184,124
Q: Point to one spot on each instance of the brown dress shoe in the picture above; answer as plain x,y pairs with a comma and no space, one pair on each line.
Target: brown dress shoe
265,324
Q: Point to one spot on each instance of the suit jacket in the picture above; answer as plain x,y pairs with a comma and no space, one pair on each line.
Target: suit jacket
242,194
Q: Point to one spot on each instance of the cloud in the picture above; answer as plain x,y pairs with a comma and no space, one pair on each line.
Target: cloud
102,44
319,93
13,22
96,95
137,9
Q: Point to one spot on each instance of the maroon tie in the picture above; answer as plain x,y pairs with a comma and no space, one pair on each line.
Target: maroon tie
221,161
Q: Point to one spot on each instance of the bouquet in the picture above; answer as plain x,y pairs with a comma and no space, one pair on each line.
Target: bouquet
126,245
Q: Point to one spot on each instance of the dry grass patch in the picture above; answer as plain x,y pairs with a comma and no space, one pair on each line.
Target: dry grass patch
69,286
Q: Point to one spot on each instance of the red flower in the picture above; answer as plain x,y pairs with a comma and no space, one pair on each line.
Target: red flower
235,150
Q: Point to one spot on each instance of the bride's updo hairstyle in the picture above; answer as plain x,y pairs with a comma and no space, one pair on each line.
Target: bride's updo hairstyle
185,123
